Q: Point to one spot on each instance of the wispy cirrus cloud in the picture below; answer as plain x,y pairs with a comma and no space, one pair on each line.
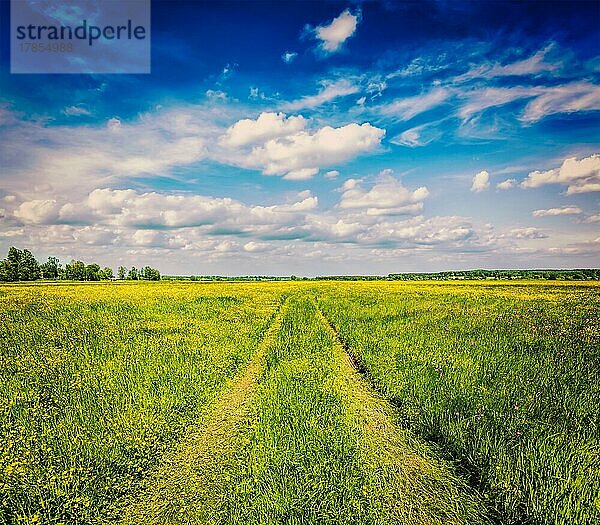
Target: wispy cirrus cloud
569,98
289,56
419,135
330,90
531,66
409,107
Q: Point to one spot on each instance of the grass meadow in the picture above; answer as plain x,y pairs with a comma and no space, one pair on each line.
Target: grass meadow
300,402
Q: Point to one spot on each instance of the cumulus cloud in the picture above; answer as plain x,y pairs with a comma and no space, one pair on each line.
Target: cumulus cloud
553,212
39,211
328,92
332,174
506,184
265,127
333,35
277,145
527,233
371,221
481,181
303,153
592,219
129,209
386,197
580,176
451,231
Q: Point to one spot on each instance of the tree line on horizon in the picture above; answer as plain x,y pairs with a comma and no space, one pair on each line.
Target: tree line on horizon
583,274
21,265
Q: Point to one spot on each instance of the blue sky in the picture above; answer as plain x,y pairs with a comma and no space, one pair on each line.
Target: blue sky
317,138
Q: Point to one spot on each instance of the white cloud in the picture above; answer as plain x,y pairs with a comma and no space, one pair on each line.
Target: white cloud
130,209
533,65
407,108
334,35
39,211
527,233
369,224
301,174
580,176
256,94
592,219
76,111
311,151
417,136
570,98
265,127
387,197
332,174
113,124
481,181
453,232
216,95
289,56
482,99
506,184
410,137
328,92
76,159
553,212
256,247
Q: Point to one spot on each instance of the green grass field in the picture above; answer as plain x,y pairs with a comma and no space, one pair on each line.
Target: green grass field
300,402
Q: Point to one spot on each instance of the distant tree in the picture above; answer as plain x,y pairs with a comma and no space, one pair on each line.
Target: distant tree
121,272
132,275
106,273
13,259
92,272
29,269
50,269
149,274
4,270
75,271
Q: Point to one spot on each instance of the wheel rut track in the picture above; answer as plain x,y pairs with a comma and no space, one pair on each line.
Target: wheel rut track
465,471
162,500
